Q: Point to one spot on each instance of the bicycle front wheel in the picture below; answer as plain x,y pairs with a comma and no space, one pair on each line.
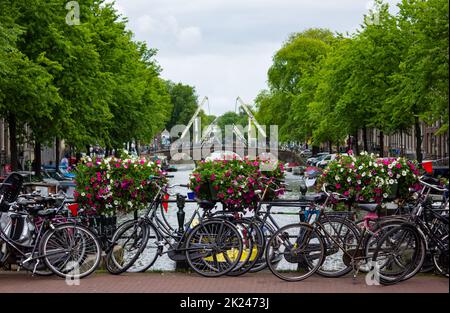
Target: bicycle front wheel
71,250
128,242
399,254
214,248
296,252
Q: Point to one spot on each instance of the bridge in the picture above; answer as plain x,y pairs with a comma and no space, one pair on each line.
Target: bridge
198,153
206,144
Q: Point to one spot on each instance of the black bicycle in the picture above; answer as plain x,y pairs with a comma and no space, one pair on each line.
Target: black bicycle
212,246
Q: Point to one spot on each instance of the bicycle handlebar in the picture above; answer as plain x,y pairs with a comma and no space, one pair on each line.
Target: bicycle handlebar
435,187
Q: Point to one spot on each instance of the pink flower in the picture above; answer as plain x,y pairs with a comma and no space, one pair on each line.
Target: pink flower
213,177
347,193
338,186
399,165
230,190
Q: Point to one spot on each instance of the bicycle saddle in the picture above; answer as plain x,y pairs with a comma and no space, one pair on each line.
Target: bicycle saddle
46,212
369,207
314,197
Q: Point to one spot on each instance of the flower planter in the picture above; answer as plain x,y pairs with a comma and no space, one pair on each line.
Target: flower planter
235,183
103,226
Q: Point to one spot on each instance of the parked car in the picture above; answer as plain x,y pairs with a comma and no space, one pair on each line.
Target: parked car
312,161
329,158
306,153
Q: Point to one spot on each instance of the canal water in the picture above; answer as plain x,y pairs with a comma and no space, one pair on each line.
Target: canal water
164,263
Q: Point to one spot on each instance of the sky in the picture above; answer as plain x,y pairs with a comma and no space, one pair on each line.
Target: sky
224,48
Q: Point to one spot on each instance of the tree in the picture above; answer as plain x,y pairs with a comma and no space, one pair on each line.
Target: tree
289,77
185,102
420,87
26,90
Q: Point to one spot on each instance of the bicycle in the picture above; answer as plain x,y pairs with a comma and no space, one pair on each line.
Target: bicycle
303,248
212,247
65,247
426,226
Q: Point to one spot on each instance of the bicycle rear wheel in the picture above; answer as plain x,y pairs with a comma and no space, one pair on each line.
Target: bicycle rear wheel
253,241
299,251
214,248
341,237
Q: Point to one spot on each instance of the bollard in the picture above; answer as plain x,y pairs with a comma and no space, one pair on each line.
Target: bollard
181,202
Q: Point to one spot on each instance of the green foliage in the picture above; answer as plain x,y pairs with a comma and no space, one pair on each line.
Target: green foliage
388,75
185,102
87,84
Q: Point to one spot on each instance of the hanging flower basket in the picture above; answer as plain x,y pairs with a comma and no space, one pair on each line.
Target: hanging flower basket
233,182
106,186
367,178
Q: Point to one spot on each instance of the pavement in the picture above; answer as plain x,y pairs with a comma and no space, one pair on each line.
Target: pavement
176,282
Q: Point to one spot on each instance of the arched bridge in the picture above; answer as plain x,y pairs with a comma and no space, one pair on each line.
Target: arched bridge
199,153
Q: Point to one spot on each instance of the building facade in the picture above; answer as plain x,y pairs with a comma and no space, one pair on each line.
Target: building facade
434,147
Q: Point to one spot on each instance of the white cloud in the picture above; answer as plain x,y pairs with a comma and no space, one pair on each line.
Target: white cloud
225,47
189,37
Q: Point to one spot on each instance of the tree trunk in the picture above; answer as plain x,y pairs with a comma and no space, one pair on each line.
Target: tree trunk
57,153
418,132
315,150
330,147
355,143
138,150
12,124
381,144
365,139
37,158
88,150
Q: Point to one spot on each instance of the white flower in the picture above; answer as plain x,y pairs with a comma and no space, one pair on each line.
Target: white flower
398,176
116,202
370,163
370,174
359,182
404,173
360,167
385,195
130,204
83,194
390,166
391,181
349,179
342,170
363,174
337,178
